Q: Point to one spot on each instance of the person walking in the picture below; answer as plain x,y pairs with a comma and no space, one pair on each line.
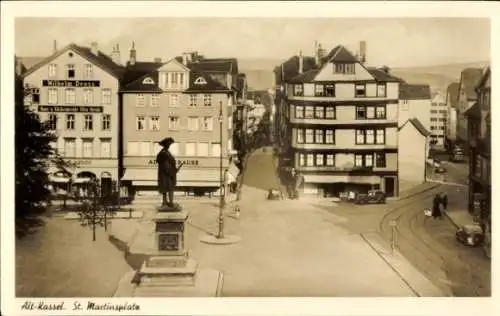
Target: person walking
297,180
290,183
437,203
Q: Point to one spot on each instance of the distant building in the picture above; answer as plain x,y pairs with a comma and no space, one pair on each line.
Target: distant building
479,127
466,98
451,108
438,115
413,150
337,122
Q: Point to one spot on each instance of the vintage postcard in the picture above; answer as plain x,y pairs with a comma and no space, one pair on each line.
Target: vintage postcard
283,158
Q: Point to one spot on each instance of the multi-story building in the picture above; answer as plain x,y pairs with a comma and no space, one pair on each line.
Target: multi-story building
338,122
479,127
415,102
466,98
451,108
76,90
185,98
438,116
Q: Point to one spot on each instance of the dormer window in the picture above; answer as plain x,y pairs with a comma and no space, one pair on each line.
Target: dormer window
148,80
298,90
200,81
346,69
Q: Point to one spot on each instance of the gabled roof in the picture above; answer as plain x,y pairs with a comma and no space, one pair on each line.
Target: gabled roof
484,78
308,76
138,85
290,68
229,65
339,55
28,62
134,74
211,86
100,59
414,92
452,91
418,126
383,76
469,79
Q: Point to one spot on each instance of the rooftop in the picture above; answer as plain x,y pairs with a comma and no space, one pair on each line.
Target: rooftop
469,79
414,92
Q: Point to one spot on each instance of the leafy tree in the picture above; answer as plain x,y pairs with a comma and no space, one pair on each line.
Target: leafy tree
33,153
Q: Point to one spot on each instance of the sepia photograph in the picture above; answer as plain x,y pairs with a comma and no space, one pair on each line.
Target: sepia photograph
248,157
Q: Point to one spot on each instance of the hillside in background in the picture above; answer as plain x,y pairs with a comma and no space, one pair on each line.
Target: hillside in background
260,73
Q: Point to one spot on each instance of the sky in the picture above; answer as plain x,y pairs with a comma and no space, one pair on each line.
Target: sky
396,42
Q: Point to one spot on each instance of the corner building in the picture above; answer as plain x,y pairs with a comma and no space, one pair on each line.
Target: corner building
76,90
183,98
338,122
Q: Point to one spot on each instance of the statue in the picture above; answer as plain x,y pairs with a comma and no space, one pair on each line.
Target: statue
167,172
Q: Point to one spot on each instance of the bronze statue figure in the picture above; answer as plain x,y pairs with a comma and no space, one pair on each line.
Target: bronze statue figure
167,172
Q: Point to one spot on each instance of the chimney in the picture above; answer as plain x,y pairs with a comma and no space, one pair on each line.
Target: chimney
93,48
319,54
362,51
301,63
115,56
54,49
386,69
157,60
185,58
133,54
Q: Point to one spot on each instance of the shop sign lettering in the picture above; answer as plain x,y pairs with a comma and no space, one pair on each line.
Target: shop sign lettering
70,108
71,83
184,162
80,162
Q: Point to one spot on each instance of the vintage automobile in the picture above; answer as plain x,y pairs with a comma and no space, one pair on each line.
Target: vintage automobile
372,197
470,235
439,170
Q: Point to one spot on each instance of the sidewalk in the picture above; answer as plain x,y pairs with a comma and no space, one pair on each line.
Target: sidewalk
459,217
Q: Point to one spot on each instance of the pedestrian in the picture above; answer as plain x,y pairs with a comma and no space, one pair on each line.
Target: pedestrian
436,206
290,183
444,200
297,180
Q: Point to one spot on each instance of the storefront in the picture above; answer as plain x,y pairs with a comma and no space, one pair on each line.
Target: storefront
336,185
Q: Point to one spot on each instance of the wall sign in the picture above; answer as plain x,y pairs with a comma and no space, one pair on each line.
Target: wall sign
185,162
80,162
70,108
71,83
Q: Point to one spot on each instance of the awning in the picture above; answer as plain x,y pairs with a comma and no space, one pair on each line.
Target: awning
58,179
341,179
82,180
185,177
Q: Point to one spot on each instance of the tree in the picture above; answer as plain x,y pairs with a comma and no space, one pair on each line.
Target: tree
33,153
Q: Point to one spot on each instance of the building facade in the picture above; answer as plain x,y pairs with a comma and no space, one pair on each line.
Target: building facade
438,117
479,127
451,122
76,90
466,98
338,122
187,99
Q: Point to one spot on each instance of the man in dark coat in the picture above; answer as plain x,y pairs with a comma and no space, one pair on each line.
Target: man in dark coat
167,172
437,203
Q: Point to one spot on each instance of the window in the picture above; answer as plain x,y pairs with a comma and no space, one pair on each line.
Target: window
133,148
52,96
173,123
89,71
405,106
309,112
106,96
363,160
443,111
329,90
140,100
300,136
202,149
88,122
34,96
207,123
70,121
380,160
52,122
380,136
360,136
319,159
144,149
299,111
71,70
207,100
298,90
181,78
106,122
154,123
193,123
434,104
369,136
69,147
174,100
70,96
433,127
434,119
358,160
88,96
360,112
215,149
105,147
88,148
310,159
368,161
344,69
370,112
52,70
434,111
140,123
319,112
330,136
230,122
360,90
442,120
154,100
380,112
381,90
309,136
330,112
193,100
318,136
319,90
302,160
200,81
148,80
330,160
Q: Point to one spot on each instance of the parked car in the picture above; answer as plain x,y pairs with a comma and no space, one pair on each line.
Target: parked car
372,197
470,235
439,169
